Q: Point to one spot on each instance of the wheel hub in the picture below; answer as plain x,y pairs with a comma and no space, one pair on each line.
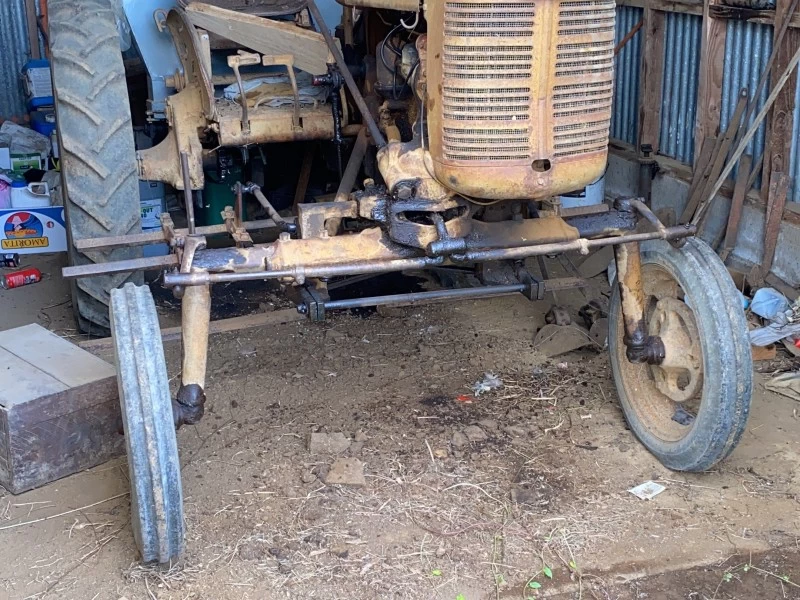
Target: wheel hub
680,375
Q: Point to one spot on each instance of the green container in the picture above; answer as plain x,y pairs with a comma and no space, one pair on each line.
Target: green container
218,194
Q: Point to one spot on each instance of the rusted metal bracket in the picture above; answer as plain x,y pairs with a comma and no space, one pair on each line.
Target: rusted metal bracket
312,303
234,227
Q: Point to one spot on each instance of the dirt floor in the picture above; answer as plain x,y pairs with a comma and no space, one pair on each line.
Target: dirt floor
519,492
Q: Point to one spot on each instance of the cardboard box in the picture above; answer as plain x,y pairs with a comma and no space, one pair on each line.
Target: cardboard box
25,162
32,231
59,409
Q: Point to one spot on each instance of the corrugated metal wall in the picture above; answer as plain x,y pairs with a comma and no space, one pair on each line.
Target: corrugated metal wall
747,50
679,92
794,188
14,52
624,120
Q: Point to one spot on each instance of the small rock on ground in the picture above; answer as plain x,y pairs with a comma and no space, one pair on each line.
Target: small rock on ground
475,434
333,335
346,471
515,431
328,443
459,440
489,424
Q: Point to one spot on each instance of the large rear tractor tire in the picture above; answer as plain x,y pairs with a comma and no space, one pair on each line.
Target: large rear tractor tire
98,157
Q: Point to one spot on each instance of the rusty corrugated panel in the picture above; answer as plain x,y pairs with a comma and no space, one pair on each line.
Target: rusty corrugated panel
747,50
625,115
14,52
679,93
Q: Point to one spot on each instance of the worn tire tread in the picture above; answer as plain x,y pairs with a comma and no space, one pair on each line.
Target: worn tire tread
153,461
98,156
729,378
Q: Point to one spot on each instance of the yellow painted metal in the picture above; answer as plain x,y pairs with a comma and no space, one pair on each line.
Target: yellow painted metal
519,94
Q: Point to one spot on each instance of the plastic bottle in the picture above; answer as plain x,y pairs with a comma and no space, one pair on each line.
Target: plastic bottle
29,195
5,194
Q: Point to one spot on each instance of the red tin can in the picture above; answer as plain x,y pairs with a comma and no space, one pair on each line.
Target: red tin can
20,278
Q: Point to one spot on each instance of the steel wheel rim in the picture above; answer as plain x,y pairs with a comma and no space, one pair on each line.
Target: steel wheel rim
670,419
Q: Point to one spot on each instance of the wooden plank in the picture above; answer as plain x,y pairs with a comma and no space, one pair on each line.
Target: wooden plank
651,75
780,120
717,11
751,131
737,204
170,334
55,356
709,92
779,187
33,29
702,168
21,382
763,352
690,7
305,173
703,193
264,35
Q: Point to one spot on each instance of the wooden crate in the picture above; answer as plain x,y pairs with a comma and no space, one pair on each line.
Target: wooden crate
59,409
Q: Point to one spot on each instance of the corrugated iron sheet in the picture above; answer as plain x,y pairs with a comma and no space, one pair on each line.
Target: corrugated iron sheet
625,116
679,95
794,169
14,53
747,50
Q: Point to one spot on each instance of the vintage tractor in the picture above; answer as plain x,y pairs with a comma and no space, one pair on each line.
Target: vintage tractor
479,114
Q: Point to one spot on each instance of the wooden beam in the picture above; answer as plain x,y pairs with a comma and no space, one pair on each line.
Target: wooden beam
264,35
731,231
171,334
669,167
305,174
709,93
717,11
33,28
778,188
651,76
780,121
692,7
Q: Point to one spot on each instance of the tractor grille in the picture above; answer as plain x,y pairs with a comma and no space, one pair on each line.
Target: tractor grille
584,69
519,95
487,64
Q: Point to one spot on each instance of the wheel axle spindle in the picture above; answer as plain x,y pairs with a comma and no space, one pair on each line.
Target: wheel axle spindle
640,347
189,406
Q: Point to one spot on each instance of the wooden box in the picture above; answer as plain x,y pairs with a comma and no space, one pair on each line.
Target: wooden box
59,409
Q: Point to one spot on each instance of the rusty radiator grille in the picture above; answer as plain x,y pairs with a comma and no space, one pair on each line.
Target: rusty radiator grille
500,143
486,96
489,19
581,18
581,99
487,62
